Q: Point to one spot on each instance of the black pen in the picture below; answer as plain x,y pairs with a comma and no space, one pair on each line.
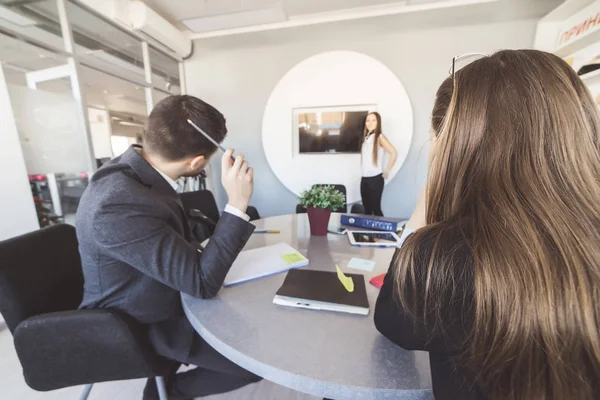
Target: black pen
213,141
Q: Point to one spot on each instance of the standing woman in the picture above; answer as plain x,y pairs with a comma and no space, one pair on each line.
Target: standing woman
373,175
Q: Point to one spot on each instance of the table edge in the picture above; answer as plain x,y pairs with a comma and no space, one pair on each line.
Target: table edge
291,380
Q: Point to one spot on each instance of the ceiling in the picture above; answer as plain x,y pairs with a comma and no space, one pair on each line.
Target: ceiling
180,10
109,92
207,18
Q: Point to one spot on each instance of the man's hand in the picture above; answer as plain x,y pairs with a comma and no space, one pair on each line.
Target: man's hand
237,179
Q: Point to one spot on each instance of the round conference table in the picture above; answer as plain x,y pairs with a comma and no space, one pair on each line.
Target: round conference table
334,355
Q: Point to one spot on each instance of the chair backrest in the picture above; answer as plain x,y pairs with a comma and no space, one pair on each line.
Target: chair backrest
357,208
202,200
253,213
40,272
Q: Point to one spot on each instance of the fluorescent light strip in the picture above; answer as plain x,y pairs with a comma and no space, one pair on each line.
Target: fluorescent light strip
127,123
343,15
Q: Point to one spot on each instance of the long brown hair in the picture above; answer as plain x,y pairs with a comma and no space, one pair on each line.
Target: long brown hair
376,132
515,176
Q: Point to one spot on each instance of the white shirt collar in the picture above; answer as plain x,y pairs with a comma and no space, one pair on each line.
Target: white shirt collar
169,180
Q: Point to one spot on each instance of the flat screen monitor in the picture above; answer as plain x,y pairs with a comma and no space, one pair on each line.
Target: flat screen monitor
330,129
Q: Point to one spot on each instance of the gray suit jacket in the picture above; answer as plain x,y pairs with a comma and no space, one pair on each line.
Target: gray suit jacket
134,241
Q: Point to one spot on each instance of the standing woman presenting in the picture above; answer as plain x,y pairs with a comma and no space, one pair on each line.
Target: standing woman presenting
373,175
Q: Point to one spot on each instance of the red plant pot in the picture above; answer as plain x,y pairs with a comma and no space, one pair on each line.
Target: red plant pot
318,219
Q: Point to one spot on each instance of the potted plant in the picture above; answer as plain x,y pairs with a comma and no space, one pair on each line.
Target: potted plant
319,201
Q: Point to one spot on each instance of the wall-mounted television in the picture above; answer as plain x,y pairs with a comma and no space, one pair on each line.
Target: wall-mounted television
336,129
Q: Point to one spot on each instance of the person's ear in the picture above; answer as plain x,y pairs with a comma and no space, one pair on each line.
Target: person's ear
197,163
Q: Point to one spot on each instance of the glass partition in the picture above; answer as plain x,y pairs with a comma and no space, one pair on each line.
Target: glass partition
92,33
106,91
55,150
127,129
164,69
55,139
51,135
33,21
158,95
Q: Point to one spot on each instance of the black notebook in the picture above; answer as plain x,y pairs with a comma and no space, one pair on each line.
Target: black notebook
322,290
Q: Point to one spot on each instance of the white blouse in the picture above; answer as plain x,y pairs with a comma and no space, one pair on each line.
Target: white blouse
368,166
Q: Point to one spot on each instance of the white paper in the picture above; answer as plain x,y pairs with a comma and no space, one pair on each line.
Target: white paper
363,265
264,261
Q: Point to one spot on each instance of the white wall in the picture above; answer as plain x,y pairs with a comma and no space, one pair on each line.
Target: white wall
334,78
236,74
17,212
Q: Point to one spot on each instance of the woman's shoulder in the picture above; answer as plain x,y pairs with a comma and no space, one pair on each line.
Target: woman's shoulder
445,237
446,247
443,266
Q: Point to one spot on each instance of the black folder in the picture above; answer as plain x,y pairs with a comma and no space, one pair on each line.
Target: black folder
322,290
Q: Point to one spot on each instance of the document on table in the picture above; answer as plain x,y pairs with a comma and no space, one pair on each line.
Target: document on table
363,265
264,261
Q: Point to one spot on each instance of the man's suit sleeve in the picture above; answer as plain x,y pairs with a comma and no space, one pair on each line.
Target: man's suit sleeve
138,235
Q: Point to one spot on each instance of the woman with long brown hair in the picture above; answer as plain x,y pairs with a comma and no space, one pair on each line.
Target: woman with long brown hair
373,147
500,282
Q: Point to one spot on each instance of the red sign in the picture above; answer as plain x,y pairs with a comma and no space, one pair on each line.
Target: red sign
580,29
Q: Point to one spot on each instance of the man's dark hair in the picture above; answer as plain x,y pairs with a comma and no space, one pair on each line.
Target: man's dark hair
171,137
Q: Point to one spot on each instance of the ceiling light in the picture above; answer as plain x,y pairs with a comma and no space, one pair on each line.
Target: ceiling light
127,123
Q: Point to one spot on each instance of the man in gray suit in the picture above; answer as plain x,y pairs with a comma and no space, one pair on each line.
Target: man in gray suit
135,240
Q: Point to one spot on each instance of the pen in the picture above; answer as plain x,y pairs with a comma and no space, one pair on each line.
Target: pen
267,231
213,141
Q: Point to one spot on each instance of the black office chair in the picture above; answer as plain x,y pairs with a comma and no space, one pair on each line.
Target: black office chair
41,286
253,213
357,208
341,188
202,200
202,206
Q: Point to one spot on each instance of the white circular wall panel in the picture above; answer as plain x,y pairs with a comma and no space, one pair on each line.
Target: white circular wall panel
336,78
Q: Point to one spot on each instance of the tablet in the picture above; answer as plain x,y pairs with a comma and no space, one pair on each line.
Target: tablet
337,230
373,239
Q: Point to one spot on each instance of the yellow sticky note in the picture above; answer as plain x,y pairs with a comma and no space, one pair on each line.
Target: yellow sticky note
346,280
292,258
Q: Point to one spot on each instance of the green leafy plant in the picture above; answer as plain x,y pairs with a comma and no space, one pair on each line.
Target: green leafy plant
322,197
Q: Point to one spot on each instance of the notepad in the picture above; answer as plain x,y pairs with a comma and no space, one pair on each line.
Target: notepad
293,258
322,290
363,265
264,261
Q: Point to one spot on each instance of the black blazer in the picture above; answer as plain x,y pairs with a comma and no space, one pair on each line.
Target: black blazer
137,255
443,341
